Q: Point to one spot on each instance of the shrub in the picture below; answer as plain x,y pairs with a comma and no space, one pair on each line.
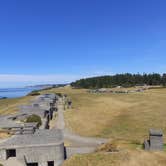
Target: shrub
34,93
110,146
34,118
59,94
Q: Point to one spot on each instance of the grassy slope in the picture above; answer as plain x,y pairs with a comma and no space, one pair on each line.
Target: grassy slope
123,117
125,158
118,116
9,106
126,118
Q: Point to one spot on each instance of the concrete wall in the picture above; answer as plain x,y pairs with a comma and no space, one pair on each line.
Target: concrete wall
3,155
42,154
156,143
39,154
45,164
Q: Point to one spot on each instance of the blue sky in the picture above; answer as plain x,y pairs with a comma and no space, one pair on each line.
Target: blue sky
60,41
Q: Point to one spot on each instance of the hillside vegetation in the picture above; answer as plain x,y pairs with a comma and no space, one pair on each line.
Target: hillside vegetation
125,80
117,116
125,158
124,118
9,106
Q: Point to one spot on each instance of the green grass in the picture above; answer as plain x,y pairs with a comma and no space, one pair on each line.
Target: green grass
164,147
34,119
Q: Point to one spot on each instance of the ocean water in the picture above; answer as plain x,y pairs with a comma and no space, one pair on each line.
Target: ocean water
15,92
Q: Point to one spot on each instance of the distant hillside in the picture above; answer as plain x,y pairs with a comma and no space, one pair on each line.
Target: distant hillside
125,80
44,86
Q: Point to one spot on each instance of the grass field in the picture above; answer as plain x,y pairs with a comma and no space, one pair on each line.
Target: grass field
118,116
124,118
10,106
125,158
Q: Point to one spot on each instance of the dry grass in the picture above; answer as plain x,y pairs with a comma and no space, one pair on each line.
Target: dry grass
124,158
118,116
125,118
10,106
4,135
110,146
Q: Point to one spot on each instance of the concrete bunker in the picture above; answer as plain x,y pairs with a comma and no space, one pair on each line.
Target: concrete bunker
155,141
30,145
43,148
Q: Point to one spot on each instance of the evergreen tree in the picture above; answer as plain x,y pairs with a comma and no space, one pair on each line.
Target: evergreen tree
125,80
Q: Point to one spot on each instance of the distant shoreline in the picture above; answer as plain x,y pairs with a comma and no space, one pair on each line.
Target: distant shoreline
21,92
15,92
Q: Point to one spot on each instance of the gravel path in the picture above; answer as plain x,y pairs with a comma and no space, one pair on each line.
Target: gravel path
77,143
60,124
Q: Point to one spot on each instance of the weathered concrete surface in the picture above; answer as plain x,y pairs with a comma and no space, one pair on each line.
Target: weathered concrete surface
38,106
38,147
5,121
78,144
155,142
42,154
12,162
39,138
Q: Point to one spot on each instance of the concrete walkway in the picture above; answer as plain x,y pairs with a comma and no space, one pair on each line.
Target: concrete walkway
60,124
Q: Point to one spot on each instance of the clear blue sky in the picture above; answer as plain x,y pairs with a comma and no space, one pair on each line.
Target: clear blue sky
68,39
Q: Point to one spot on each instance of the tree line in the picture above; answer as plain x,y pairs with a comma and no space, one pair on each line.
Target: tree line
125,80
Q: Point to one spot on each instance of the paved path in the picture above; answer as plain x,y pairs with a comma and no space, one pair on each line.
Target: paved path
78,144
60,124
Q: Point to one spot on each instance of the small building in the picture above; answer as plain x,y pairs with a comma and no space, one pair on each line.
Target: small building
43,148
155,141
